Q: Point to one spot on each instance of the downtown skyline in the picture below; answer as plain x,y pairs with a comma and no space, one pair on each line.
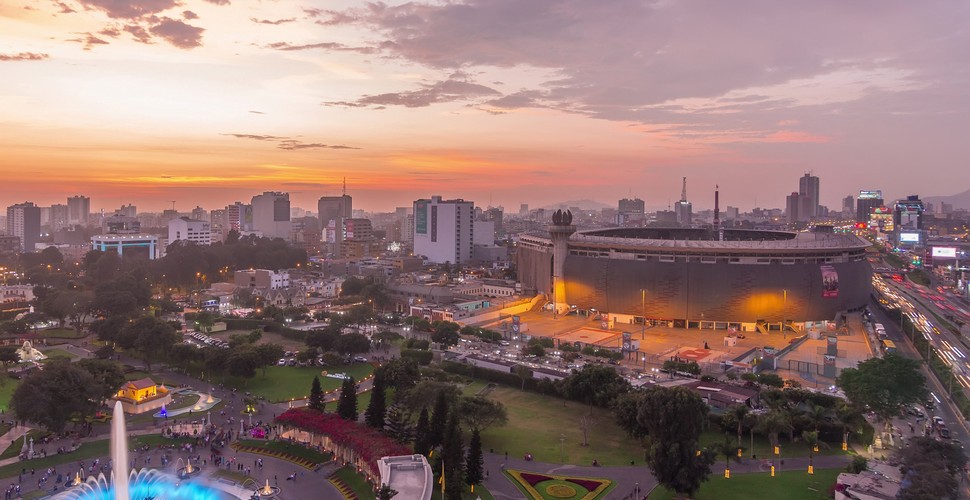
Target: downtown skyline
206,102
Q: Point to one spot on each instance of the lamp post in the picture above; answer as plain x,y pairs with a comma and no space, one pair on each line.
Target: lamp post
562,452
643,311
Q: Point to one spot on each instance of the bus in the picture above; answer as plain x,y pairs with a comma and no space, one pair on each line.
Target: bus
888,346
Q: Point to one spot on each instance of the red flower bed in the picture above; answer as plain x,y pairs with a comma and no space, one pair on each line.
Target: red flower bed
532,478
367,442
589,484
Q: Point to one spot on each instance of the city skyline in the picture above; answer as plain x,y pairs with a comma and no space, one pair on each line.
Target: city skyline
499,102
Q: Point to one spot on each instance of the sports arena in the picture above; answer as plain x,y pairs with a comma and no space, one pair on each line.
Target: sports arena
689,277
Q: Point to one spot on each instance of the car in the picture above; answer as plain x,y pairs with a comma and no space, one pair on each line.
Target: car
291,362
944,433
938,420
505,343
915,411
360,359
281,362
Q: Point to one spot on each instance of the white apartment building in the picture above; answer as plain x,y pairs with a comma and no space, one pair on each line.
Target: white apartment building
271,214
262,278
190,230
444,230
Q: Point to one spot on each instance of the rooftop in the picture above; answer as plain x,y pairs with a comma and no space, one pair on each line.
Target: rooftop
409,475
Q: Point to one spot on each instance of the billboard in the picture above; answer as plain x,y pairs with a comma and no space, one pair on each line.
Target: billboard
945,252
830,282
909,237
421,217
627,342
870,195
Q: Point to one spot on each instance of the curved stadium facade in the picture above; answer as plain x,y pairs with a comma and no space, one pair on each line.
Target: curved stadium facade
685,275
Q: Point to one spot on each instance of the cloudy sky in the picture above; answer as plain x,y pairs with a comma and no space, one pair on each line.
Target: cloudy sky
499,101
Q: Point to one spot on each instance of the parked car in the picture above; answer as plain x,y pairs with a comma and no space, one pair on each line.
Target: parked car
281,362
944,433
360,359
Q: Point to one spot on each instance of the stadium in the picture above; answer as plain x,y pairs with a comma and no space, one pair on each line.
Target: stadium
689,277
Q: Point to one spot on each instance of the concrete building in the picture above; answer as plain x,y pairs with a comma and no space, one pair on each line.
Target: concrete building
333,211
189,230
808,197
683,208
409,475
23,221
58,217
444,230
867,201
262,278
127,244
271,214
908,222
78,210
793,208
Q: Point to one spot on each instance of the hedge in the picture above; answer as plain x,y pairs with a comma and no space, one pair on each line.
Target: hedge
422,357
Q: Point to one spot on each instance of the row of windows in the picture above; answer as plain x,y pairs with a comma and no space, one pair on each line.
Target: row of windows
724,259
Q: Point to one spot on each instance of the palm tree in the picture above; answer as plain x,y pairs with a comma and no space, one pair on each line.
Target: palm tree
727,449
851,420
739,412
811,440
774,423
751,421
816,414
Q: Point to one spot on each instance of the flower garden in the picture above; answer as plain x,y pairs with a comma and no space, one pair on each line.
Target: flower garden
551,487
350,442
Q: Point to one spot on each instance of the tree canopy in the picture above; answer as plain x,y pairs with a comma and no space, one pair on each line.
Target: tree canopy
884,384
50,397
673,419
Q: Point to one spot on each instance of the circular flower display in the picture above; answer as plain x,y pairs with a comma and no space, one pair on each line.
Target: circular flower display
560,491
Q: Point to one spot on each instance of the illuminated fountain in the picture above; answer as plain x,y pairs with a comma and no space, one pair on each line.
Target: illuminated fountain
188,470
267,491
141,484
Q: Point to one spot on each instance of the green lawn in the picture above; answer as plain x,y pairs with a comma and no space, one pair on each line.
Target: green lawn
296,450
6,391
58,353
762,447
474,387
355,482
282,383
790,485
86,451
14,449
537,422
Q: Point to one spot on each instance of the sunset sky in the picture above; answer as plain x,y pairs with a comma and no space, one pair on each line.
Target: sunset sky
206,102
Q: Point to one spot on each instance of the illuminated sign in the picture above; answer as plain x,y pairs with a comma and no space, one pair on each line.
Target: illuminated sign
870,195
945,252
909,237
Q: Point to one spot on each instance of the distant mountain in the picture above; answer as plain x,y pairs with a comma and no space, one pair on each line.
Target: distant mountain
583,204
959,200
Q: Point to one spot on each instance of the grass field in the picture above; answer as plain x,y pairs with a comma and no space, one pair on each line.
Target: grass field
356,482
536,424
296,450
790,485
6,391
282,383
58,353
84,452
762,447
59,333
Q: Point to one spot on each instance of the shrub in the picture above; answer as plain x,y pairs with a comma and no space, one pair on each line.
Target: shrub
858,464
422,357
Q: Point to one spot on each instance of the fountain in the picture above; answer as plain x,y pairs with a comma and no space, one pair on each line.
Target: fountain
188,470
27,352
137,484
266,491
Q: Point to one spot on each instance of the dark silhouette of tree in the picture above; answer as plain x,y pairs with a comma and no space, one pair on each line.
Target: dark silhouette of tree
374,415
595,384
474,461
422,437
480,413
347,405
397,424
884,384
453,459
439,418
50,397
316,396
674,419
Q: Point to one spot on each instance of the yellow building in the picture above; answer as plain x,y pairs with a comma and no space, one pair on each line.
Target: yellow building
139,396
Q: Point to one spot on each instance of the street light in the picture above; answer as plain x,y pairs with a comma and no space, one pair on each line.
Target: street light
643,311
562,452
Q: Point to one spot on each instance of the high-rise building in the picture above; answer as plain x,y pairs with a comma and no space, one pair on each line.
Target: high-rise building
628,206
867,201
239,218
443,229
332,211
495,215
189,230
793,205
199,213
807,197
848,206
23,221
908,221
58,218
683,208
524,210
78,210
128,210
271,214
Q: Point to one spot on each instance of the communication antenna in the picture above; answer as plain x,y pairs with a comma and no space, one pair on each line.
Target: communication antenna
345,187
173,204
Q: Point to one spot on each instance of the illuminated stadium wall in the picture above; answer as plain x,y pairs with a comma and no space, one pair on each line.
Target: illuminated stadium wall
705,287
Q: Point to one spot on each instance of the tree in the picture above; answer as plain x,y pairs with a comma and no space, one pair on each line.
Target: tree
739,412
595,384
204,321
316,401
884,384
401,374
108,377
453,459
182,355
626,408
347,405
52,396
445,332
352,343
397,424
374,414
9,355
151,336
811,440
268,354
674,419
474,461
439,418
243,361
422,434
386,493
524,373
929,469
428,392
480,413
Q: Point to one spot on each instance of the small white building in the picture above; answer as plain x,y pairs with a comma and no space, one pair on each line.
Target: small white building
189,230
262,278
132,243
409,475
